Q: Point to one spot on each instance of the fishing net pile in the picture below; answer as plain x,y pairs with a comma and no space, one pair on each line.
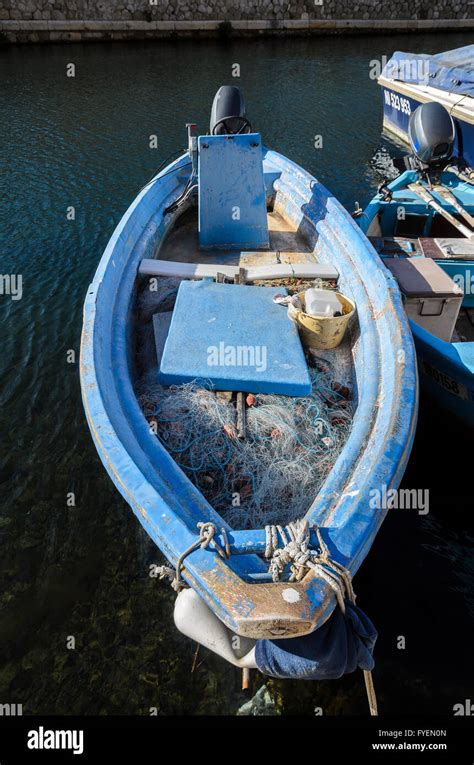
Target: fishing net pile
274,473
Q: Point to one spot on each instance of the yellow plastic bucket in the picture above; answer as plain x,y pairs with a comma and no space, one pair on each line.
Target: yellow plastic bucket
323,332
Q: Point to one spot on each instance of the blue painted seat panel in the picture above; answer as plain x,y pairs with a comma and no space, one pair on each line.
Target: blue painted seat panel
235,337
232,195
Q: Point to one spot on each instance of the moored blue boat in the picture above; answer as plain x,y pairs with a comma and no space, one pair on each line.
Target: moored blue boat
425,218
410,79
181,226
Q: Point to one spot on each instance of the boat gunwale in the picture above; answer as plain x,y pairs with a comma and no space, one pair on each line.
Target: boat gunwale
342,509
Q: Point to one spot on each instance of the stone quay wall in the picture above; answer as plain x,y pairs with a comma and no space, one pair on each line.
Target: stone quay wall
50,20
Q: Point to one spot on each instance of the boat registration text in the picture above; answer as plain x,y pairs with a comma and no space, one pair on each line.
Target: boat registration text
446,382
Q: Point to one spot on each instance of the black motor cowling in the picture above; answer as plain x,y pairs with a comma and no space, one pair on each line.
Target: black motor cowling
228,112
431,132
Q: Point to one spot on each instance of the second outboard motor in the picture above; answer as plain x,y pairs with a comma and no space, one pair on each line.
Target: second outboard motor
228,112
431,132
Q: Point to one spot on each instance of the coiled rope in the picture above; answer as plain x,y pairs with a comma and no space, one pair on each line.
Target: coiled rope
296,539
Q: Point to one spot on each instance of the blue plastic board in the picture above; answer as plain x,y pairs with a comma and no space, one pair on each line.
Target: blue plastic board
235,338
232,197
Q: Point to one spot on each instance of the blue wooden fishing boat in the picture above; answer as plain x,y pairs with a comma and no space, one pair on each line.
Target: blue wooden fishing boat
230,209
410,79
422,224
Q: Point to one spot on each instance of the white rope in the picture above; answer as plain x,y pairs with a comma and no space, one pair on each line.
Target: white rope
296,552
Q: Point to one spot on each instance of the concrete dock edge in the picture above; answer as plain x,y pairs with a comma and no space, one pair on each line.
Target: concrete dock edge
23,31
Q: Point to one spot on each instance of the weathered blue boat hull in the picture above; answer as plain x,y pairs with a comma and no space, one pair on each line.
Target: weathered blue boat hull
447,373
166,503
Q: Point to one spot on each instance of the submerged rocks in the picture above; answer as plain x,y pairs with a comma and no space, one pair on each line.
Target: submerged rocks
262,704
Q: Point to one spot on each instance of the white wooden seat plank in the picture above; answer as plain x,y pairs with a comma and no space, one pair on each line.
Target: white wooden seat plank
152,267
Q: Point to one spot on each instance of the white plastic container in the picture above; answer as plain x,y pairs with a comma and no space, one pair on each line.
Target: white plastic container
322,303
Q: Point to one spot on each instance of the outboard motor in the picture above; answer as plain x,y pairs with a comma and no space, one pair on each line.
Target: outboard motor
431,132
228,112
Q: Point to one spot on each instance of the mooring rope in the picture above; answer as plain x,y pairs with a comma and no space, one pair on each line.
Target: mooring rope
296,540
371,695
207,534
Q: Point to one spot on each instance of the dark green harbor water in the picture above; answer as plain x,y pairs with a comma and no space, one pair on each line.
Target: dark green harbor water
82,571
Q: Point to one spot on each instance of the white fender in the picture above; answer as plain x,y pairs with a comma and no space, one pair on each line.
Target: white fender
196,620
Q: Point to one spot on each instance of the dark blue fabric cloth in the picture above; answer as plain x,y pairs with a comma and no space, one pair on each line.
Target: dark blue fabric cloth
341,645
452,70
